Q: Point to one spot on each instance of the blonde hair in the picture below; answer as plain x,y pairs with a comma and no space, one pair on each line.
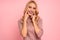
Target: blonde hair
35,11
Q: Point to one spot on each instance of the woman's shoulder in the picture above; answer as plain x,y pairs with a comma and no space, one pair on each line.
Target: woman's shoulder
20,20
39,18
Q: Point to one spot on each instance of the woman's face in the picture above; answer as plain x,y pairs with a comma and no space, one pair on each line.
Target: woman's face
31,8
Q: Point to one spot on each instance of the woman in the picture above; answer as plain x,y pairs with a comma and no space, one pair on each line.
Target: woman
30,24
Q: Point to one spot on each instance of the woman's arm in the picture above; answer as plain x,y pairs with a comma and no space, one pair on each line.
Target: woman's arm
24,29
37,27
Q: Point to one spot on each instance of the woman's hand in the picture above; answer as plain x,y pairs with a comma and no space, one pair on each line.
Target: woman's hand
26,16
33,18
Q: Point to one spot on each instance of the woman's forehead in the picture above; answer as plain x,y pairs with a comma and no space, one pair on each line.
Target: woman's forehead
32,4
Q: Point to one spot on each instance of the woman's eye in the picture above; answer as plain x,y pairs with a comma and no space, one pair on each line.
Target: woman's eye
29,6
34,8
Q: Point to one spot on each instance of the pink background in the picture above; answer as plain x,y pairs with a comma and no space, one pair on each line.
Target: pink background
12,10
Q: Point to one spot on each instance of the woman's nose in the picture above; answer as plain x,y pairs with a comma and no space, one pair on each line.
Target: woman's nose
31,9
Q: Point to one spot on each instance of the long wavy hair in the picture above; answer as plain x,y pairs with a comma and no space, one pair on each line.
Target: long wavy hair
36,11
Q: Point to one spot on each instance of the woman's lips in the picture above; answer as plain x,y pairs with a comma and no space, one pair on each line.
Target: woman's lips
31,12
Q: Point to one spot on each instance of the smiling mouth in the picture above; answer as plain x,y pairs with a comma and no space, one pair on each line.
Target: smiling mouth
31,13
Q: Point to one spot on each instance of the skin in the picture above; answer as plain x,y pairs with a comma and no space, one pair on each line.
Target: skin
31,8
